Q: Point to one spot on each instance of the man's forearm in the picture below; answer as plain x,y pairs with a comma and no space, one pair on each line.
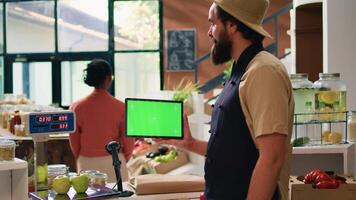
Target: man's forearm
197,146
264,180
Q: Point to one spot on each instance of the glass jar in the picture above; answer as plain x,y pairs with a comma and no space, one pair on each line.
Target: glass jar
330,97
4,119
303,93
7,150
99,179
19,130
351,127
54,171
89,173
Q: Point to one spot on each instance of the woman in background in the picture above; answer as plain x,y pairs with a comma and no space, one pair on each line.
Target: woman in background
99,119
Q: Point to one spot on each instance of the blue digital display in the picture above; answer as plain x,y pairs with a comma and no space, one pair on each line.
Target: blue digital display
61,122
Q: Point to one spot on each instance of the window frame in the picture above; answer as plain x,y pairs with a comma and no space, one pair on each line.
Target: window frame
57,57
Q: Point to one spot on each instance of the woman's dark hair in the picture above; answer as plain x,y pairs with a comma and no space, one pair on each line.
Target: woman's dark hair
246,31
96,72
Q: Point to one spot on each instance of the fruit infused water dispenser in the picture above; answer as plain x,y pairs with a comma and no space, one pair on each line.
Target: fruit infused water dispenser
330,97
39,125
303,94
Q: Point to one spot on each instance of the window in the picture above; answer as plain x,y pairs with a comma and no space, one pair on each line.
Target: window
137,48
136,74
1,77
33,79
47,44
73,87
136,25
30,26
82,25
1,32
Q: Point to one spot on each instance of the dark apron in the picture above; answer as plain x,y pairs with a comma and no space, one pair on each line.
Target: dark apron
231,154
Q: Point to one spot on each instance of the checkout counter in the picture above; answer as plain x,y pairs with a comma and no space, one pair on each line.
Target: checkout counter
15,171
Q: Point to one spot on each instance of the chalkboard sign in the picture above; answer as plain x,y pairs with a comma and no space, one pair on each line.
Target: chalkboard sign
180,50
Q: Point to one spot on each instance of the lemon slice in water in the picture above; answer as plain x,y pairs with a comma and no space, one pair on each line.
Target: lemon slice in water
328,97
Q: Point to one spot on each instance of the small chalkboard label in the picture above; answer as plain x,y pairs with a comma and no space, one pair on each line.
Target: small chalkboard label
180,50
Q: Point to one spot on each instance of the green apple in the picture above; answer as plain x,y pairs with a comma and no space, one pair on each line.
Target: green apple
41,173
80,183
61,184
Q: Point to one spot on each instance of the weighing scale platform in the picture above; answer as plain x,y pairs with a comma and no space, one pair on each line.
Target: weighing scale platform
94,191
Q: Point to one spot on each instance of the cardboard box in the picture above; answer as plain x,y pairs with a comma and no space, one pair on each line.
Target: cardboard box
301,191
142,165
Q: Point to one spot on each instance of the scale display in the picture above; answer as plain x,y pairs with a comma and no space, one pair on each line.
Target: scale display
51,122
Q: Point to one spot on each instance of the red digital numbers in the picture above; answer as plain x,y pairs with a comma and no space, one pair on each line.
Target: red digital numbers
44,118
63,126
63,118
59,126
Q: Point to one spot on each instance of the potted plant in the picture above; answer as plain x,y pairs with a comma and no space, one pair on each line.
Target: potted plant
183,92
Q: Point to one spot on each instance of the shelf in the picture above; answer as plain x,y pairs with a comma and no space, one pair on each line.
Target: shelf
325,149
7,135
346,151
319,122
11,165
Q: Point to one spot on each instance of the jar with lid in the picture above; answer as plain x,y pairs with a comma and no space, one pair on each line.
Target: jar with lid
99,179
330,91
54,171
351,127
303,92
7,150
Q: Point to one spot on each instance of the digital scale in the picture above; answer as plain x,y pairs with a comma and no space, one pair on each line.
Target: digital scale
48,123
39,125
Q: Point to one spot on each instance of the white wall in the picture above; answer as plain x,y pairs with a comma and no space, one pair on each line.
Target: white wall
340,34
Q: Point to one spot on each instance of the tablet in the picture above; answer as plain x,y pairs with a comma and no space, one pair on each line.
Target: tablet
153,118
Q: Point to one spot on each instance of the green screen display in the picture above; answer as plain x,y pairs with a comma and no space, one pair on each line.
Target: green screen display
154,118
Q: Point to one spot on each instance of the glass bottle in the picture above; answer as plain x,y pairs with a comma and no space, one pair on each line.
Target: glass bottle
303,92
351,127
331,92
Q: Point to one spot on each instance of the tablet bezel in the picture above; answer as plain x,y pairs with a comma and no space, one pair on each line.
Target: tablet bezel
153,100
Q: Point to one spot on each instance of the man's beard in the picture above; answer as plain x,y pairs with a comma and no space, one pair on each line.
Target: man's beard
221,50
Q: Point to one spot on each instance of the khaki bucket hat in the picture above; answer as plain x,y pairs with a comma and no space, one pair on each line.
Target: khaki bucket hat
249,12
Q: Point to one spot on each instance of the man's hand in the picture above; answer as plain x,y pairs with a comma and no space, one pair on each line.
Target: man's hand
188,143
272,149
187,137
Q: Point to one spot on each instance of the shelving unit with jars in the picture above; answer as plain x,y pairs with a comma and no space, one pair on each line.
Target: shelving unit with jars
320,110
320,128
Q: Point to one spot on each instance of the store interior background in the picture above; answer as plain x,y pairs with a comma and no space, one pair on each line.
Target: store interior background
319,37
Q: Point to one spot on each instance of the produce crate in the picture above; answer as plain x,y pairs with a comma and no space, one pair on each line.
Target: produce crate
162,168
301,191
